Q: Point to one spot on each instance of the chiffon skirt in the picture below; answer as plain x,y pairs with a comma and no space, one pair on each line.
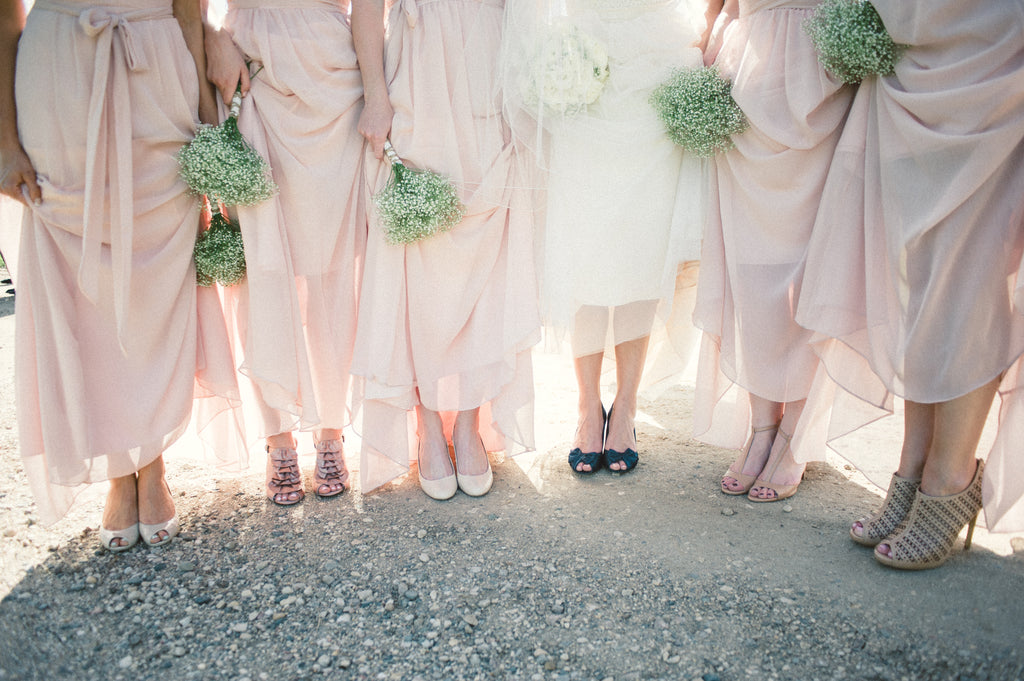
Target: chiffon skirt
110,334
448,322
914,272
297,310
623,209
764,197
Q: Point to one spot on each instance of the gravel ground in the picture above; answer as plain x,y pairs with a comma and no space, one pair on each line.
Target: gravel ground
652,575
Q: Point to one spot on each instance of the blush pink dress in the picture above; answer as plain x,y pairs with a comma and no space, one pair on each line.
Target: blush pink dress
448,322
297,309
763,200
111,337
914,271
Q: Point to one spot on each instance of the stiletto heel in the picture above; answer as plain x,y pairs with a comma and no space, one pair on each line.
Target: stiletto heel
778,492
926,536
746,481
898,501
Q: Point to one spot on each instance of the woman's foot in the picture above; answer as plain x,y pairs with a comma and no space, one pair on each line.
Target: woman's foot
434,463
588,444
473,468
620,441
331,474
284,480
748,465
898,500
158,522
781,475
119,529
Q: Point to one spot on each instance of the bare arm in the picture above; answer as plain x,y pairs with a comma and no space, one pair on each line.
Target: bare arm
368,36
225,63
15,167
719,14
190,18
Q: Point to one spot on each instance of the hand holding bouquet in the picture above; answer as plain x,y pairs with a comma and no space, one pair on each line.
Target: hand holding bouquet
416,204
221,165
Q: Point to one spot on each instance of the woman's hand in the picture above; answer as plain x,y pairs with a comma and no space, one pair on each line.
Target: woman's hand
375,123
225,65
717,21
16,171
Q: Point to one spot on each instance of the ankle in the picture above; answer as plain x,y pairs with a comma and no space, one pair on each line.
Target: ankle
281,441
945,483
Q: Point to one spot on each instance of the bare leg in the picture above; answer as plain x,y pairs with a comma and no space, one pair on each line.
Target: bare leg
121,509
155,503
590,426
471,457
781,466
629,366
285,440
434,461
948,467
765,416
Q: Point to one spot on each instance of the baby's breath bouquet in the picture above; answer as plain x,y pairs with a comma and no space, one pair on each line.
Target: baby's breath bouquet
851,40
698,110
566,70
218,253
221,165
416,204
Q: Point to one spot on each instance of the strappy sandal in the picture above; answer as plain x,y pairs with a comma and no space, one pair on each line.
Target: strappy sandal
284,482
895,508
764,482
746,481
331,475
925,538
593,459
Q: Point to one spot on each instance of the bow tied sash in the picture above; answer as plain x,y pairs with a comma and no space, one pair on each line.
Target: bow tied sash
119,51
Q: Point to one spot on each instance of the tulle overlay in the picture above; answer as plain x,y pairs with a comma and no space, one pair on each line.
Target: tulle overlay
295,315
448,322
763,200
619,209
112,343
914,280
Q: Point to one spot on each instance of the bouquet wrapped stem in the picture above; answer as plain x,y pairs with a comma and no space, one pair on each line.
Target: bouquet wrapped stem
220,164
219,254
698,110
415,204
851,40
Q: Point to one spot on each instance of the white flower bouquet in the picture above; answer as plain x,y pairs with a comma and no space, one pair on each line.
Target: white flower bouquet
566,70
219,254
698,110
851,40
220,164
416,204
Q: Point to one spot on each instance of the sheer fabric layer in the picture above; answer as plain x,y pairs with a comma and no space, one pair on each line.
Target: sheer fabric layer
448,322
915,280
111,336
296,312
764,197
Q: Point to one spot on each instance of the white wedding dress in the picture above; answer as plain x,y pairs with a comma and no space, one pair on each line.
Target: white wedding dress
621,205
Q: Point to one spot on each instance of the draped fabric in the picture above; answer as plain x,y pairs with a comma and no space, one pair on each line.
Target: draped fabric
111,336
913,276
448,322
297,309
764,197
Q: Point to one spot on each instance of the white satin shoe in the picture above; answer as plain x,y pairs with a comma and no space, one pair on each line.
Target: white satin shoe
474,485
171,527
129,534
440,489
